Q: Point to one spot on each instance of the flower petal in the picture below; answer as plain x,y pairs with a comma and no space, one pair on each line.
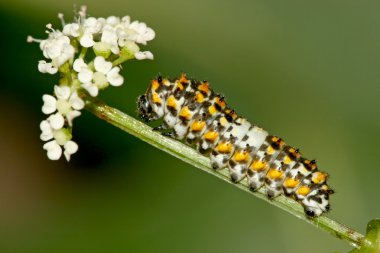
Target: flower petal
50,104
87,40
45,67
76,102
70,148
114,78
109,36
79,64
144,55
62,92
47,133
102,65
71,30
92,25
71,115
91,89
85,75
126,20
54,151
56,121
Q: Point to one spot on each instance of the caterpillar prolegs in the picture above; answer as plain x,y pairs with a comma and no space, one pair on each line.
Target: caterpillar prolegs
193,112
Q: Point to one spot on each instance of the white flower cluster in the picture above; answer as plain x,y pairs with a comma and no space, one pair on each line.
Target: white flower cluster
112,40
104,74
65,106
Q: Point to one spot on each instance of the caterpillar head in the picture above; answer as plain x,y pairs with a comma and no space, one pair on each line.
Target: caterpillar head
145,109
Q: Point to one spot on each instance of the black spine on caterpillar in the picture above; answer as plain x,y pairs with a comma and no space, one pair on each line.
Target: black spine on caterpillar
194,113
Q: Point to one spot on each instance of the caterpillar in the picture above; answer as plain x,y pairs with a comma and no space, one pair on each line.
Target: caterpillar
193,112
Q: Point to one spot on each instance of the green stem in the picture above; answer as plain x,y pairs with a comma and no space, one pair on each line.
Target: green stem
192,157
124,56
121,60
83,52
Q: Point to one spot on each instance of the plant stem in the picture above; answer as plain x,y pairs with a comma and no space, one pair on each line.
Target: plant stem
192,157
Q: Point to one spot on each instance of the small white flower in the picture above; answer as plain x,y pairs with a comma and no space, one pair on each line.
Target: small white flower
105,67
91,88
85,75
104,74
57,138
57,47
114,78
45,67
102,65
67,104
93,25
84,31
110,38
125,21
72,30
142,33
79,64
87,40
56,121
144,55
67,53
54,151
112,20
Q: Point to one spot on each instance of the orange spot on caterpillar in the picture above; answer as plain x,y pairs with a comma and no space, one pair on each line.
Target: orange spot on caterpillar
287,160
156,98
258,165
172,102
221,102
199,97
204,87
155,85
224,147
183,78
291,183
197,126
185,113
274,174
211,136
241,156
303,190
212,110
319,177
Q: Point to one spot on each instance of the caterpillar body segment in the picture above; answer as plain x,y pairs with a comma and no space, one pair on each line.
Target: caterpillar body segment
203,119
245,151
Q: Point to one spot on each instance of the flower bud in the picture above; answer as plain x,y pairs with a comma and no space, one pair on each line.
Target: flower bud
102,49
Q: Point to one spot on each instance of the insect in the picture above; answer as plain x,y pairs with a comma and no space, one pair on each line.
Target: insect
193,112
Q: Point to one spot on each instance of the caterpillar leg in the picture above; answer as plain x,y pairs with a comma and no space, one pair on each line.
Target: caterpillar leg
160,128
165,130
170,134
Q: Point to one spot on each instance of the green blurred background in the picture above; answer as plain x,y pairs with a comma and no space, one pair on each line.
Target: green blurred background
305,70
